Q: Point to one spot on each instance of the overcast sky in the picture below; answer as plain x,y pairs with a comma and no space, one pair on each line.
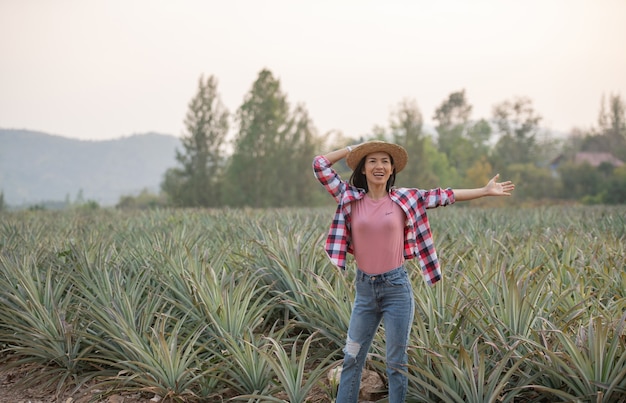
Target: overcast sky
105,69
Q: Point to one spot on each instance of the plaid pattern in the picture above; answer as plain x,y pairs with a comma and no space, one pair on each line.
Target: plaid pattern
418,240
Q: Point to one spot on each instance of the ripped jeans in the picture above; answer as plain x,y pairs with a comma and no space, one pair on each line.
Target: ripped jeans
387,297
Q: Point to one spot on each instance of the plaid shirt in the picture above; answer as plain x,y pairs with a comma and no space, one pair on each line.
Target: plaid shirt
418,240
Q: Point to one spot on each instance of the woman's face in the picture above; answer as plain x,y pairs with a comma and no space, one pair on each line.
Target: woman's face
377,168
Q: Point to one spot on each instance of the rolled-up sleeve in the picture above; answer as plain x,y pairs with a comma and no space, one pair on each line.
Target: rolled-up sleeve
327,176
438,197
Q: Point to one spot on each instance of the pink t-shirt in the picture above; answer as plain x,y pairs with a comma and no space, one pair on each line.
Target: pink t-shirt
377,234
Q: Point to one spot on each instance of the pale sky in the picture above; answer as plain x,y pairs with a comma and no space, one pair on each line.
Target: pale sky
103,69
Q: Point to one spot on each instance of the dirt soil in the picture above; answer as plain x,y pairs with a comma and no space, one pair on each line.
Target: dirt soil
13,390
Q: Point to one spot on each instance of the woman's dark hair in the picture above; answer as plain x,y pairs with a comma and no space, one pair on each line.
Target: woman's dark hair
358,177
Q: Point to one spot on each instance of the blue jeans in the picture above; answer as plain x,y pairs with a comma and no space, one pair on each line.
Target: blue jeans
387,297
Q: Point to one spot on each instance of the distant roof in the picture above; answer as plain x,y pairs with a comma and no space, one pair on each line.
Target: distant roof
596,158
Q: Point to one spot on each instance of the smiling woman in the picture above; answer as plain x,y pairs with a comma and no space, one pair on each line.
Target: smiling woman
382,226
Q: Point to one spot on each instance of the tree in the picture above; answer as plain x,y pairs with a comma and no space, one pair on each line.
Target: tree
533,183
144,200
612,126
443,174
198,181
518,127
273,149
613,120
479,173
461,140
426,166
301,186
580,181
406,124
616,187
452,117
479,134
455,111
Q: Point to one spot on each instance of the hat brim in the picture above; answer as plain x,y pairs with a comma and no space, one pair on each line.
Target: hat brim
397,153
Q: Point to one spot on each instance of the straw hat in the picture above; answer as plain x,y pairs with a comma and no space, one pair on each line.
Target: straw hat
398,153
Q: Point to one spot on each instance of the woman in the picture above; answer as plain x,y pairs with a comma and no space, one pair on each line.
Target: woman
382,226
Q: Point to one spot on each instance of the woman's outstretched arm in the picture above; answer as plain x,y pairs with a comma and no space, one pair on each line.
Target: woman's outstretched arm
492,188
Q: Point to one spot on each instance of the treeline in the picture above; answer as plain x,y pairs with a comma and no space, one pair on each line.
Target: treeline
268,162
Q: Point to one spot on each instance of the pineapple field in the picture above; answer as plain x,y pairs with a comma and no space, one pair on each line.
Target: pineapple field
244,305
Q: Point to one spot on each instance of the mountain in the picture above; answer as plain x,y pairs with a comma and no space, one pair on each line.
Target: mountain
37,167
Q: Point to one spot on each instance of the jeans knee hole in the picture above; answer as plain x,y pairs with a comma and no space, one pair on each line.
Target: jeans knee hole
352,348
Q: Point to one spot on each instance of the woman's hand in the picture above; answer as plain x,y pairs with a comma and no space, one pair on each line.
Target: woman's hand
495,188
